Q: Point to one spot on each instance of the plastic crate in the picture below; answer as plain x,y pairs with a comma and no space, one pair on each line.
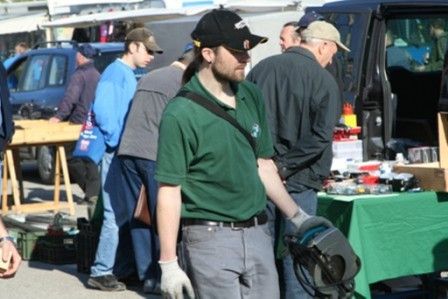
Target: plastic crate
86,244
56,249
26,243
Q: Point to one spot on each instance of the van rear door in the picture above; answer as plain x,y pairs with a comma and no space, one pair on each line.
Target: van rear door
353,23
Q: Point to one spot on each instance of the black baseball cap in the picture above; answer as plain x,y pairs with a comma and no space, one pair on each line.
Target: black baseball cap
224,27
309,18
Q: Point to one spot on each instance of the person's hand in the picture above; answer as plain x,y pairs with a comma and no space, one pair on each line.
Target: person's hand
174,280
304,222
10,251
54,120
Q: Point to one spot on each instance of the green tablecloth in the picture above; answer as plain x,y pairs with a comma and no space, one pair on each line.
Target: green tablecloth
394,235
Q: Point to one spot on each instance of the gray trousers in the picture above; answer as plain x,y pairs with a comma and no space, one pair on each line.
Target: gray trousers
230,263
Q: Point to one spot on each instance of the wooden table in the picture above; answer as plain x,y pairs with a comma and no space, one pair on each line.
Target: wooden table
35,133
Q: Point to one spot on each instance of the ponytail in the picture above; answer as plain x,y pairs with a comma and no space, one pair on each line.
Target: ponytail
193,66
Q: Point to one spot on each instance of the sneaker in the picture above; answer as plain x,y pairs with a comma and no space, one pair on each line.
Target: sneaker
151,287
106,283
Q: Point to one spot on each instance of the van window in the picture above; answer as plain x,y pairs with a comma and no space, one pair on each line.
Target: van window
417,44
57,70
347,23
415,47
36,73
15,73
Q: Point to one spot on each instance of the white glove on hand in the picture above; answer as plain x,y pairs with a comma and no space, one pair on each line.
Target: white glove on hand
174,280
303,222
299,218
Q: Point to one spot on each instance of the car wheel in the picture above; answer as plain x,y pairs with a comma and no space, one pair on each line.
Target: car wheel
45,164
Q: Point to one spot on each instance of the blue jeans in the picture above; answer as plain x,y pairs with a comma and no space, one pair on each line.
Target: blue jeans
136,172
112,194
307,200
226,262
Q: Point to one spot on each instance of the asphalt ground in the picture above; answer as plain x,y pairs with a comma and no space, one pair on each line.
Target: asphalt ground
36,280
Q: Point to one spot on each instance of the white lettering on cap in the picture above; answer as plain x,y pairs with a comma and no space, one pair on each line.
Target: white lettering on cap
241,24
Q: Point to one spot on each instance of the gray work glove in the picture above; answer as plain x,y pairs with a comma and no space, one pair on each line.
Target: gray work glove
174,280
303,222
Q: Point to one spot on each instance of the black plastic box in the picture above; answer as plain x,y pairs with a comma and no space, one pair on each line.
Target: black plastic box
86,244
56,249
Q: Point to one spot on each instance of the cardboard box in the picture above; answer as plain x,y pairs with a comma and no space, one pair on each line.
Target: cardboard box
433,176
442,127
429,175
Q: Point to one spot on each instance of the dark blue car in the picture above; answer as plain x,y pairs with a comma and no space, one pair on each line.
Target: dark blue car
37,80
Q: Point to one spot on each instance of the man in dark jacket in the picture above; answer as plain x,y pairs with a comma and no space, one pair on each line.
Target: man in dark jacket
302,100
7,126
6,131
74,107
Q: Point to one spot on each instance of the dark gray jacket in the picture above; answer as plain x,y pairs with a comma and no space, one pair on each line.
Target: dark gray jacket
79,94
302,104
7,125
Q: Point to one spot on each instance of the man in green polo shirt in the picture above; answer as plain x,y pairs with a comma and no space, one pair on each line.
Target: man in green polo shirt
212,178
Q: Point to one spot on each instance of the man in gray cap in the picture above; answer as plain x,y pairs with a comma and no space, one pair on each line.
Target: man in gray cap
214,178
113,97
302,100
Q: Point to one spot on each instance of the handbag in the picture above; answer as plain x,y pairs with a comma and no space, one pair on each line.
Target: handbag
142,212
91,144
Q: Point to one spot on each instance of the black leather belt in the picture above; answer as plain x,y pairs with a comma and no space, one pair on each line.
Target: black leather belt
259,219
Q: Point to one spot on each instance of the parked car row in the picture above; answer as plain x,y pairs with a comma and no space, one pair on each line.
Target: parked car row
37,80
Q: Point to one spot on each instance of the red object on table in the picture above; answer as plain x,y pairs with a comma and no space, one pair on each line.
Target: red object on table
340,134
370,179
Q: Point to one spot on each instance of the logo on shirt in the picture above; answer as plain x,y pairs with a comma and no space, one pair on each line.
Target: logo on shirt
255,131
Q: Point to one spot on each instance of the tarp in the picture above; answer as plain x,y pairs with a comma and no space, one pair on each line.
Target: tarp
19,24
153,14
141,15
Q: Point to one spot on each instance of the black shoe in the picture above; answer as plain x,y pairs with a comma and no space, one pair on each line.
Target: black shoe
106,283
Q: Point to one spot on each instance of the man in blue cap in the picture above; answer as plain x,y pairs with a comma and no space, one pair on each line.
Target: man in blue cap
290,33
74,107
